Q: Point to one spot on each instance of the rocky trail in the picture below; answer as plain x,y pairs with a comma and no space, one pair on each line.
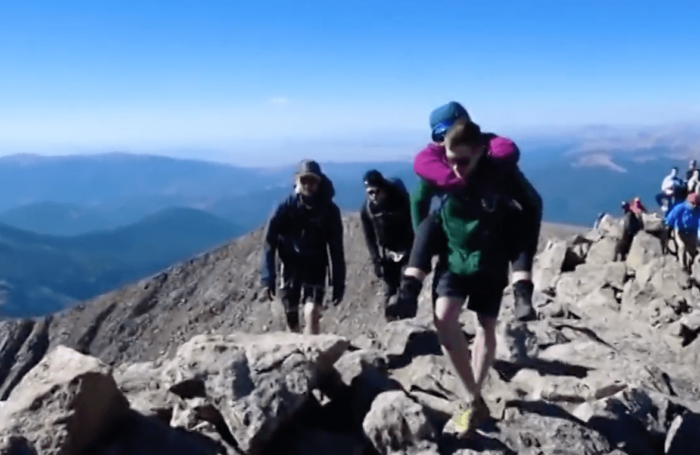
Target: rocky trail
191,362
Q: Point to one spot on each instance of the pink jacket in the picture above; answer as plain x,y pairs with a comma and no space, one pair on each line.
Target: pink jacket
431,163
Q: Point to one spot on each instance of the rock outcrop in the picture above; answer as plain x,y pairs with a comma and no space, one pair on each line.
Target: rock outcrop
610,367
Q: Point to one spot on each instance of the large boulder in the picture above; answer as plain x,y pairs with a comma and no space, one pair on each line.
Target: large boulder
645,247
610,226
653,223
396,424
557,257
252,384
64,404
602,252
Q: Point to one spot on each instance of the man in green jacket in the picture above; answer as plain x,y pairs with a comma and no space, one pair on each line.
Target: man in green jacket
474,232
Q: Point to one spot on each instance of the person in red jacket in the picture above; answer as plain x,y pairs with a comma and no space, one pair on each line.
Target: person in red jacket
636,207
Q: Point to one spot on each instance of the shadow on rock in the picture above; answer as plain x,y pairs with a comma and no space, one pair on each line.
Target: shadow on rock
17,445
418,344
142,435
544,409
477,442
507,370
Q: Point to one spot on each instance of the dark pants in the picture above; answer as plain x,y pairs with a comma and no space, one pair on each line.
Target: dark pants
428,241
391,275
622,247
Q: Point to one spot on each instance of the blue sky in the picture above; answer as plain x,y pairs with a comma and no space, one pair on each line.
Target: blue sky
215,74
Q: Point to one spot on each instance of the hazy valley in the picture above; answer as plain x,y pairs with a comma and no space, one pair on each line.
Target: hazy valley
73,227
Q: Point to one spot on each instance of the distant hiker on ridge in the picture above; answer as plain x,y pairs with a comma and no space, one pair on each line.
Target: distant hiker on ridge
671,192
684,219
598,219
631,226
489,217
637,207
303,230
692,167
386,223
694,182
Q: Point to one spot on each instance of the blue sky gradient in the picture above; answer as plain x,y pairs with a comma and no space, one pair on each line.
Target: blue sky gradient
146,74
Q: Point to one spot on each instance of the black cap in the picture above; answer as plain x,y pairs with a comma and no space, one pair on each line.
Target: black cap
373,178
309,167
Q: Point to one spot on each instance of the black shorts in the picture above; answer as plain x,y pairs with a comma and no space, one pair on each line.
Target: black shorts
294,293
484,296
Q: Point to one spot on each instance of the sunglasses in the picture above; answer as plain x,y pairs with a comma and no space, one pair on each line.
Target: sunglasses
440,130
459,161
308,180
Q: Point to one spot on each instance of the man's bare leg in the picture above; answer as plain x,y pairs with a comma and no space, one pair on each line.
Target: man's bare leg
454,344
520,275
414,272
312,316
484,349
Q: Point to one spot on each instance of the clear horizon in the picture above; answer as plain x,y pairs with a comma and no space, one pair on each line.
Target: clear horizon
251,83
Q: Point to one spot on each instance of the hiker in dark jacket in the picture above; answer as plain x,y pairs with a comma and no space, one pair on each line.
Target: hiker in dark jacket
386,222
631,226
303,230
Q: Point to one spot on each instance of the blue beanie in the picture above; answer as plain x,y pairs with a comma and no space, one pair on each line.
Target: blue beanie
442,118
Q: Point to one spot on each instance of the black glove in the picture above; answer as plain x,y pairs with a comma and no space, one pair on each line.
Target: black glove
378,268
338,294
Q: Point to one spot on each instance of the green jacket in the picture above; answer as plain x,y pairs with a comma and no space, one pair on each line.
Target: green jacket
474,239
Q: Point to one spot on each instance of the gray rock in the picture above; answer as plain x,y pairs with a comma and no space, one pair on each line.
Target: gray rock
602,252
255,382
634,420
404,339
652,222
25,346
516,343
645,247
64,404
549,265
610,226
543,428
395,423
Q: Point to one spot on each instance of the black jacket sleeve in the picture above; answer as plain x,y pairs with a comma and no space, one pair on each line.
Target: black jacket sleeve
335,247
530,202
408,221
370,235
273,229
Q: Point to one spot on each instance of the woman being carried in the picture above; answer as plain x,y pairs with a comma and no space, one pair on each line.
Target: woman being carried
439,178
481,225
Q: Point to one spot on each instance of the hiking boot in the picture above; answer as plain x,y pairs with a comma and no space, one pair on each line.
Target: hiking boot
293,320
404,305
522,292
469,416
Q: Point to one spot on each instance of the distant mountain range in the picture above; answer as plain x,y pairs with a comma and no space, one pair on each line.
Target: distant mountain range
42,273
76,226
78,194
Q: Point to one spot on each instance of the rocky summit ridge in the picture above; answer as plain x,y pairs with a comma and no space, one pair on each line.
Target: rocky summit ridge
192,362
